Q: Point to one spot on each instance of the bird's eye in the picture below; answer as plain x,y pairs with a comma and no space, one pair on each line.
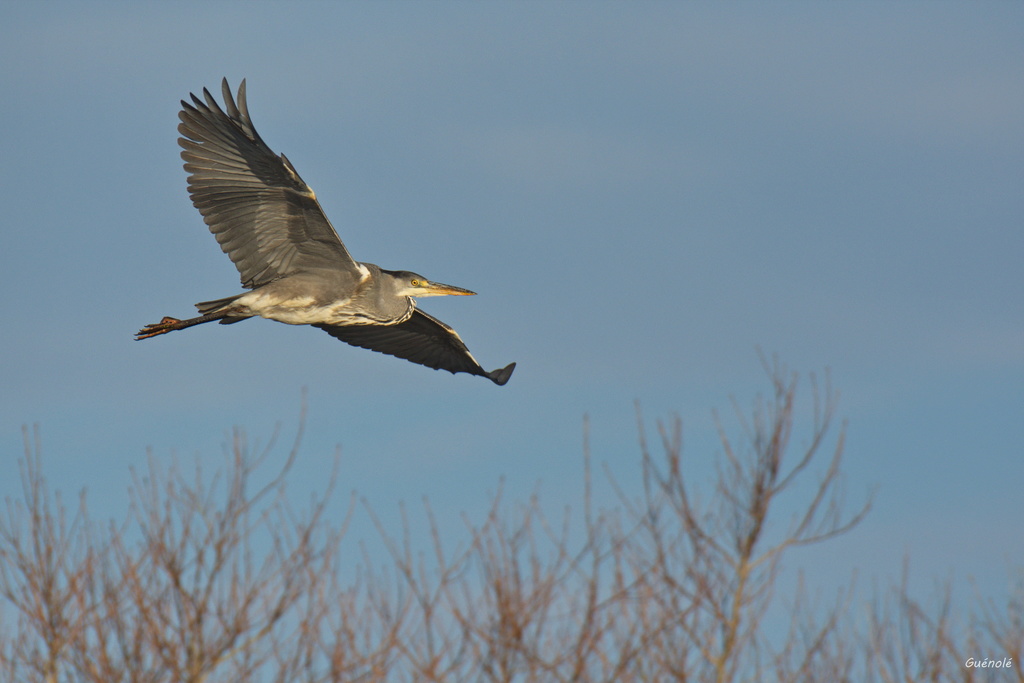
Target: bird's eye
416,283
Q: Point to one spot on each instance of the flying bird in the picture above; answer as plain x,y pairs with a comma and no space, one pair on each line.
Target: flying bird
290,259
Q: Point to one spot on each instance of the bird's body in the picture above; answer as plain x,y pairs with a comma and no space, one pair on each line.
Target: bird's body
289,257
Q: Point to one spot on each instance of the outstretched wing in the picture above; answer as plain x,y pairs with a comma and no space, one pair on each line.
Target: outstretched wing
421,339
263,215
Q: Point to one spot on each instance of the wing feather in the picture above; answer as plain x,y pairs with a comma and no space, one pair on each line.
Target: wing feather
264,216
422,339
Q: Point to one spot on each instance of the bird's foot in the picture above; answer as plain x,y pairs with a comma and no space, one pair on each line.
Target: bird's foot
166,325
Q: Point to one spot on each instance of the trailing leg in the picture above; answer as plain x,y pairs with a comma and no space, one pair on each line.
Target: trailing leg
169,324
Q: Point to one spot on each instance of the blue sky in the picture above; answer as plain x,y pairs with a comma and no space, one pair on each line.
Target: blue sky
643,195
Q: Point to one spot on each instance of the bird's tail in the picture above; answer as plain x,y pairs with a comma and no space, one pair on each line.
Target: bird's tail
215,306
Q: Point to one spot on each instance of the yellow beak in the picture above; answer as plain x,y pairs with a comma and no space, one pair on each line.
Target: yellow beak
438,289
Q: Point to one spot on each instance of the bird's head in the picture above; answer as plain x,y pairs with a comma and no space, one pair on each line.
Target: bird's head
411,284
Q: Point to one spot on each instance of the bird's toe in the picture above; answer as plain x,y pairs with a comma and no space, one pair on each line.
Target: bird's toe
165,325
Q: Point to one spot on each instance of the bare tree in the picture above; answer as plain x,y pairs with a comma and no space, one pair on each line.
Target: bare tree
176,593
46,563
711,568
1001,631
220,578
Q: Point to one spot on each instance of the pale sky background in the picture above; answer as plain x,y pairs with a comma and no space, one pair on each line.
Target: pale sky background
643,194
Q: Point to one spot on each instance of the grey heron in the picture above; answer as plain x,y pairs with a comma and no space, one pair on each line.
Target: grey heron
290,259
